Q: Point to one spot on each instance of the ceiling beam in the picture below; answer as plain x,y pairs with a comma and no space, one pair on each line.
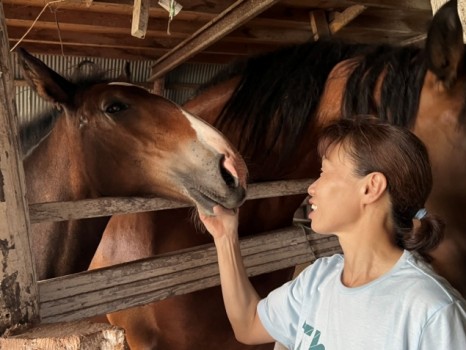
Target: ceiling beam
341,19
224,23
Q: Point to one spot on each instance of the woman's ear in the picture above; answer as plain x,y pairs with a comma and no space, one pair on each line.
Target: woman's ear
374,187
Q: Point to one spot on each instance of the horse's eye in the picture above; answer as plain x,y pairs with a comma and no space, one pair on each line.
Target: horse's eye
115,107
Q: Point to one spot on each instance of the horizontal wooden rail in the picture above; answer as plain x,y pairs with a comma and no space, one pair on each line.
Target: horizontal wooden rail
106,206
137,283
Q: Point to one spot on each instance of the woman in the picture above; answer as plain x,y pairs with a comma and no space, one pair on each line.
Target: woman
381,293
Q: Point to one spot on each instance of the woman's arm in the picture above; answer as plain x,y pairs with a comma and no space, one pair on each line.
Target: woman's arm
239,295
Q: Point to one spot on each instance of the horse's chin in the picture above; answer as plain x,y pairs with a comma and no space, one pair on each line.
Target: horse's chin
205,203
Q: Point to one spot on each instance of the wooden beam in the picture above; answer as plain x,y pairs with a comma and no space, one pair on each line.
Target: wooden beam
223,24
341,19
319,25
137,283
414,40
417,5
140,18
87,208
159,86
18,304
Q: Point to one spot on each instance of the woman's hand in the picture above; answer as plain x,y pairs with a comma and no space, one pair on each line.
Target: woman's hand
223,222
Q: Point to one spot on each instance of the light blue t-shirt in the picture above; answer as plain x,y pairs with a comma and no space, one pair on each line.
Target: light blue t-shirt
408,308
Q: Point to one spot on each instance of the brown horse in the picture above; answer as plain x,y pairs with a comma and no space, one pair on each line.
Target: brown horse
116,139
272,107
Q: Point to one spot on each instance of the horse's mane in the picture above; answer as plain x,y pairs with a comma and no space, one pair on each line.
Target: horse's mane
279,92
402,69
34,131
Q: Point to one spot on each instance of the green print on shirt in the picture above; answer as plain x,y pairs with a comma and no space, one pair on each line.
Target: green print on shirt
309,330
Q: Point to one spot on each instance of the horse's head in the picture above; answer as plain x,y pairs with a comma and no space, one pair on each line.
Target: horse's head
442,110
132,142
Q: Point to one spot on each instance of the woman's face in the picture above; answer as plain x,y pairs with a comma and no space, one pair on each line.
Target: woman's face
335,195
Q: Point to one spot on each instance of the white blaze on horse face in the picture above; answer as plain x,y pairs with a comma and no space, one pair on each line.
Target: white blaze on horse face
213,138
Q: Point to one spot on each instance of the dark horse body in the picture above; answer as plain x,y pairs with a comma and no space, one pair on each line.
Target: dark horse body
272,108
116,139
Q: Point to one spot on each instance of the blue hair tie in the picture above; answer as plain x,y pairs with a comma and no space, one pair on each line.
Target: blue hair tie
420,213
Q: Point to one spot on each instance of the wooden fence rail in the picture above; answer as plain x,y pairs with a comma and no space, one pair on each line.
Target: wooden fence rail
137,283
87,208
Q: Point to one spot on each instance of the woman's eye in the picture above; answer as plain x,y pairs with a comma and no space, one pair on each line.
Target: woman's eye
115,108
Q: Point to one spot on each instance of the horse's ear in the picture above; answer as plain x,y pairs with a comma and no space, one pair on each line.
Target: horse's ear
444,46
50,85
125,76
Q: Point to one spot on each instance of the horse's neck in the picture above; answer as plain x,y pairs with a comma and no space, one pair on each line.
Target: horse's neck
209,105
54,172
445,141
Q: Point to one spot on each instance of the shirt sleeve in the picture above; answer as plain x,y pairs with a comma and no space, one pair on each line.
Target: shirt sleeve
446,329
279,312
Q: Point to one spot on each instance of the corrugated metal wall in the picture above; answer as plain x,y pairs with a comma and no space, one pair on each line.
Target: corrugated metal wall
181,82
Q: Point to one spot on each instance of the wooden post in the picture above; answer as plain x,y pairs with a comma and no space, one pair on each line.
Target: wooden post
159,86
140,18
18,302
319,25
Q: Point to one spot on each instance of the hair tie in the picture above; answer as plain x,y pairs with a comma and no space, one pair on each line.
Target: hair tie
420,213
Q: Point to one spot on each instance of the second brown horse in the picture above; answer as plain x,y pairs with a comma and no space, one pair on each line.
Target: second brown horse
271,108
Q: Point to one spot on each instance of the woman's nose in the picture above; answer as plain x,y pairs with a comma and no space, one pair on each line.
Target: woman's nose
311,188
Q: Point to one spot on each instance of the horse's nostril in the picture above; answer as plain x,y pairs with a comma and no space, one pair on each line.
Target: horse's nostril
229,179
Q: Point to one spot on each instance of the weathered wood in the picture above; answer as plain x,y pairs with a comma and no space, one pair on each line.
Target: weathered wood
105,27
319,25
342,19
18,302
414,40
87,208
81,335
137,283
159,86
140,18
224,23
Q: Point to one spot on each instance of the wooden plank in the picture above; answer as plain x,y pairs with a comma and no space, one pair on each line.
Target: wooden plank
418,5
70,336
137,283
414,40
87,208
140,18
223,24
18,304
159,86
319,25
342,19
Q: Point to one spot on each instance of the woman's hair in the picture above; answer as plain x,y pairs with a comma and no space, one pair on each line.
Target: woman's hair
376,146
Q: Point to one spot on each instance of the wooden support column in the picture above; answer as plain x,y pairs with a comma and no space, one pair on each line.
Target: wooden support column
140,18
159,86
319,25
18,287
